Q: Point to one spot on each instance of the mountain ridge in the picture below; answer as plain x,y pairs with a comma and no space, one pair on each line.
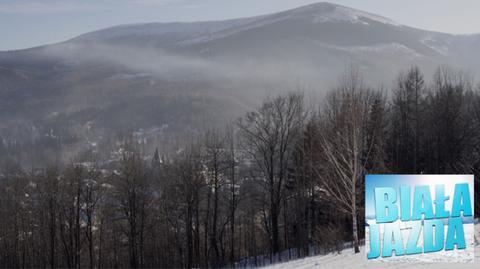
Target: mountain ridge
306,8
189,75
323,6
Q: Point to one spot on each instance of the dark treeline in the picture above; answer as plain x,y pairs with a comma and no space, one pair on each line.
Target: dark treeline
282,179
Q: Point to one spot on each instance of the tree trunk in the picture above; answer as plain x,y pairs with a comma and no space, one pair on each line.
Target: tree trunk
214,236
188,228
206,228
354,224
274,216
232,216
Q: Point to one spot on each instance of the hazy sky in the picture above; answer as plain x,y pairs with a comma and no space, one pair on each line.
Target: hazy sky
27,23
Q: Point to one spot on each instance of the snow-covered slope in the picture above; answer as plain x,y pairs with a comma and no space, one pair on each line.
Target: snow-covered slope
190,33
318,38
347,259
327,12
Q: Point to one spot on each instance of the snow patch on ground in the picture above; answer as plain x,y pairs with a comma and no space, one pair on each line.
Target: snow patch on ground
440,46
385,48
347,259
325,12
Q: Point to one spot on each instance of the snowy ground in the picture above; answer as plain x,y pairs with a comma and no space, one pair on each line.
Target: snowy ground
349,260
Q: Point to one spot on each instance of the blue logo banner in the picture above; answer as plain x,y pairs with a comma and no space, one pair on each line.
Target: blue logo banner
419,218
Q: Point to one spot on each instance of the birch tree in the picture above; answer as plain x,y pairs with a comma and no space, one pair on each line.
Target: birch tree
346,144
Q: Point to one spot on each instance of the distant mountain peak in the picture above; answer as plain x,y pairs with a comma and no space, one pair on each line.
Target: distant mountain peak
193,32
328,12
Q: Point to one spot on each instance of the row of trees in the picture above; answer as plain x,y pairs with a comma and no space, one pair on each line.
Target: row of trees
284,181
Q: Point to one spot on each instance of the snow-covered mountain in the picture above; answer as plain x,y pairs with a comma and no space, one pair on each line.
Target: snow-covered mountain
189,33
310,44
182,75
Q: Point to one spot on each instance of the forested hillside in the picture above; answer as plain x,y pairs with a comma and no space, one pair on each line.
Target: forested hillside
286,176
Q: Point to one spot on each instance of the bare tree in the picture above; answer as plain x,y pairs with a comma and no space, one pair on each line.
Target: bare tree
407,117
91,198
232,165
344,144
269,134
450,123
189,178
134,196
215,158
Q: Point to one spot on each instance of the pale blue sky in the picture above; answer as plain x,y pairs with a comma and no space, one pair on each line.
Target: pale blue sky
27,23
